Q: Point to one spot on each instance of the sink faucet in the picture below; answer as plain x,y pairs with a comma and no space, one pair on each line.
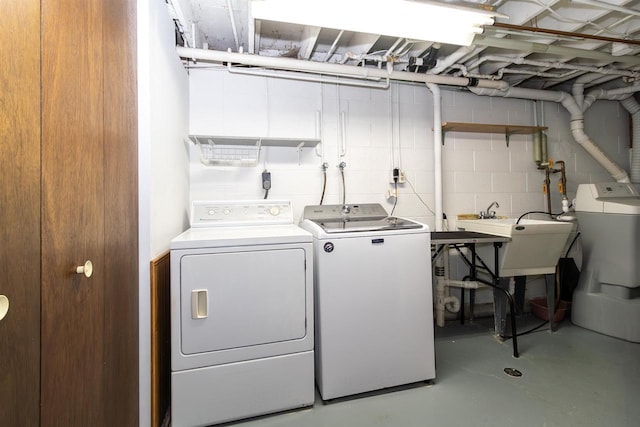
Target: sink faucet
489,213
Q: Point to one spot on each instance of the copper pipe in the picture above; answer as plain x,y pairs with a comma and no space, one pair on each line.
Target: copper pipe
547,183
563,33
563,176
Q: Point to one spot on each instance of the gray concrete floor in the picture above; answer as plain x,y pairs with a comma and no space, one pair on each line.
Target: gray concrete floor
572,377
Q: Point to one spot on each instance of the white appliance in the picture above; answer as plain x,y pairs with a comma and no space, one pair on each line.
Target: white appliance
241,313
607,298
373,294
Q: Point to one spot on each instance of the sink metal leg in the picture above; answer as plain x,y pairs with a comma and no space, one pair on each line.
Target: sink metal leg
501,284
500,301
519,291
550,282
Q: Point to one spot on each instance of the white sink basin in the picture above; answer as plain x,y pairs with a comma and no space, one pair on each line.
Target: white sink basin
535,246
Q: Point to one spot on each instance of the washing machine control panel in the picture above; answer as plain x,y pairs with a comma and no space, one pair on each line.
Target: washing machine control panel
348,212
240,212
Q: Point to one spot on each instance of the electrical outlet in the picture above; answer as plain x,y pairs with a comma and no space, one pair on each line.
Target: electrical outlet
401,177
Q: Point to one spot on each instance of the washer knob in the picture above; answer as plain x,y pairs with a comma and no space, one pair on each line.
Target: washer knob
274,210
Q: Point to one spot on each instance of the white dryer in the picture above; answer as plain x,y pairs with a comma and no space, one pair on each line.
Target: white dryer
241,313
374,300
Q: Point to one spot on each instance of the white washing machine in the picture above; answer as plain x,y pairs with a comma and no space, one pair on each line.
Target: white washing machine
607,298
374,300
241,313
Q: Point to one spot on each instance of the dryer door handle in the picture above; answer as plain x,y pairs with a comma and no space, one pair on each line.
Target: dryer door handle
199,304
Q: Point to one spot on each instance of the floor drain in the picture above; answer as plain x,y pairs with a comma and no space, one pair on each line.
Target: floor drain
512,372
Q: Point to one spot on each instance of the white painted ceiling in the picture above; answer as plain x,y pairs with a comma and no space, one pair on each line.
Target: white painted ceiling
543,44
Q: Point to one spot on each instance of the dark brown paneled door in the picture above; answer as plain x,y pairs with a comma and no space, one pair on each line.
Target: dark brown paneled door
68,154
73,205
19,212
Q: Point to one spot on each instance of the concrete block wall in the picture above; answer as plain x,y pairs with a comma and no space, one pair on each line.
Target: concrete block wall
381,129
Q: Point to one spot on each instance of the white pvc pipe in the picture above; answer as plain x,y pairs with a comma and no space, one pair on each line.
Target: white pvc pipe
439,300
577,123
609,6
279,74
466,284
232,18
444,63
618,94
452,304
437,153
292,64
577,90
554,64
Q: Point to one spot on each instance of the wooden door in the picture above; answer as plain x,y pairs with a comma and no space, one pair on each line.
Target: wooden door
20,211
73,202
121,215
89,212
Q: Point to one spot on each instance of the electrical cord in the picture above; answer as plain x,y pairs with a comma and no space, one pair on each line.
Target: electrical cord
552,215
418,196
571,245
395,202
266,182
508,337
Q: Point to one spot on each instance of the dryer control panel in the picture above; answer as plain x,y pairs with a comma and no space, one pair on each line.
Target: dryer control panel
240,213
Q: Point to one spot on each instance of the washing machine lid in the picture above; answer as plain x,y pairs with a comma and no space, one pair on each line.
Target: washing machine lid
608,197
354,218
390,223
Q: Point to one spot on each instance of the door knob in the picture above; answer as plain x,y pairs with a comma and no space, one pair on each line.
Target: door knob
86,269
4,306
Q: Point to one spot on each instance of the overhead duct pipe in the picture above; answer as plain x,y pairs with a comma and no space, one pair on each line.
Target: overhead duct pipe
618,94
292,64
633,107
577,122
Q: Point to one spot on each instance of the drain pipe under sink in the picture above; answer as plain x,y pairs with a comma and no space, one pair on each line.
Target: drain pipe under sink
441,264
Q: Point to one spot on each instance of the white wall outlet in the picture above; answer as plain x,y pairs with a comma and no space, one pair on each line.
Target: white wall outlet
401,177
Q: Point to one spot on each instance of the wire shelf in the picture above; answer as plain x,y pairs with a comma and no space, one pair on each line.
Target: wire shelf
212,154
242,150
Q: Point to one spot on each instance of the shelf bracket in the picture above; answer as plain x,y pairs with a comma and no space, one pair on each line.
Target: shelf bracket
299,150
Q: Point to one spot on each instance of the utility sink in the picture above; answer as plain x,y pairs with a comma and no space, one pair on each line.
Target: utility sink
535,246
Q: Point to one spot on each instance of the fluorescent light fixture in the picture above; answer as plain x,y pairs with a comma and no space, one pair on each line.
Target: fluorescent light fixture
412,19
